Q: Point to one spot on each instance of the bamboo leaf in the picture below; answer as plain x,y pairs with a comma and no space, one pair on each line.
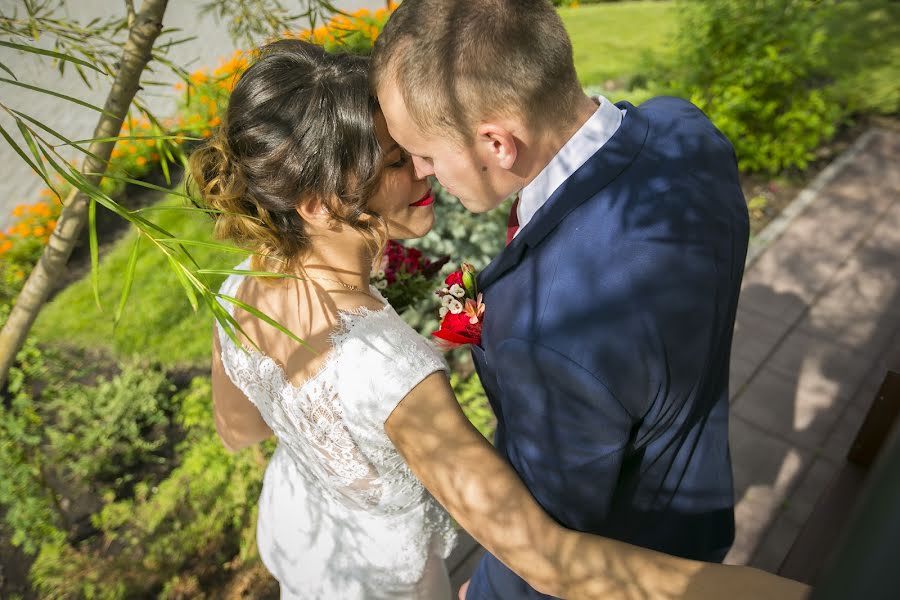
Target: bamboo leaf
250,273
35,88
95,252
188,287
265,318
24,156
32,145
11,74
213,245
145,184
129,280
229,324
130,137
57,55
60,136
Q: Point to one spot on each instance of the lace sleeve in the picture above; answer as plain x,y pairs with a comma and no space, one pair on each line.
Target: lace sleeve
388,359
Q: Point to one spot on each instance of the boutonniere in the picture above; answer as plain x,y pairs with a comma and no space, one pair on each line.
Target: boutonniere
462,309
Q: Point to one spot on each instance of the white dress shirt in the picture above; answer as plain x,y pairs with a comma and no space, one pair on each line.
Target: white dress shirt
580,147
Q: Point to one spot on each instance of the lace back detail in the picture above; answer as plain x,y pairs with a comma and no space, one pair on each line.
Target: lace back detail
332,426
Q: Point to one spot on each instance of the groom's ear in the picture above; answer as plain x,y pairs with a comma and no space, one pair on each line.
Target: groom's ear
500,142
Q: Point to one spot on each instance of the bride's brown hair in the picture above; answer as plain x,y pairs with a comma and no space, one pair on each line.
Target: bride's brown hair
299,127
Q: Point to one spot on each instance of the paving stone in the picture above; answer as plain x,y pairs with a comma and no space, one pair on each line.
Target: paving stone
800,503
811,359
741,371
775,545
800,408
765,471
755,334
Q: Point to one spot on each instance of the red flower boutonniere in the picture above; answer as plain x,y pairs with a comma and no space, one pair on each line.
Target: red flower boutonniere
462,309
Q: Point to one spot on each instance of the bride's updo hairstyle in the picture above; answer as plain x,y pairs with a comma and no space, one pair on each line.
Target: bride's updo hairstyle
299,127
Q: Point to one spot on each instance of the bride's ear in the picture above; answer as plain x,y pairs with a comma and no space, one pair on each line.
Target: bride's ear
313,211
500,144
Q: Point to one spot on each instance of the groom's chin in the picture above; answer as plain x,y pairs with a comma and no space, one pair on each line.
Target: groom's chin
477,206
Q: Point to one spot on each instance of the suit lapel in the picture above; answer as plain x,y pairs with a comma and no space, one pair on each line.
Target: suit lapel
600,170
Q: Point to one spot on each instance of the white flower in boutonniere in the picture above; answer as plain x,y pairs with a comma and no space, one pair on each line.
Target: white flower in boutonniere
455,307
458,291
443,312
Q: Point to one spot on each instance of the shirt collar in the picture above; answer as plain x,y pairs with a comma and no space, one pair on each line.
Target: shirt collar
596,131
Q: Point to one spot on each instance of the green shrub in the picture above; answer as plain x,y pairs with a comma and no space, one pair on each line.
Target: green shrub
31,507
759,71
772,74
169,532
107,431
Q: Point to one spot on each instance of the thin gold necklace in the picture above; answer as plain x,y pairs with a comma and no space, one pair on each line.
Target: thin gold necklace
341,283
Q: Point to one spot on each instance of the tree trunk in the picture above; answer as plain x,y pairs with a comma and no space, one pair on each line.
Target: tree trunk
144,30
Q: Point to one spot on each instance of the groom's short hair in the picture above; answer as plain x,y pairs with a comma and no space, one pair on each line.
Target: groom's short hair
459,61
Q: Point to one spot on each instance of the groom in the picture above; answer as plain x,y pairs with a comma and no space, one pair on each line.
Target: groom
609,315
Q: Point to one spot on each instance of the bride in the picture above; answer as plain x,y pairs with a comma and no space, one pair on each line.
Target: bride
305,175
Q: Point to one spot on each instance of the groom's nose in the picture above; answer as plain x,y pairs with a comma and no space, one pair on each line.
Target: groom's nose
423,167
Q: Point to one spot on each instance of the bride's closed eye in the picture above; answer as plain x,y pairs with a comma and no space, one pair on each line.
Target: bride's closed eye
400,162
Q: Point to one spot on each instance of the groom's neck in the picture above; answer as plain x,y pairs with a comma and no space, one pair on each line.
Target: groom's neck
551,140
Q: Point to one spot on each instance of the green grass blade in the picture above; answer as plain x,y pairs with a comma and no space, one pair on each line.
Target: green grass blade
51,53
129,280
41,90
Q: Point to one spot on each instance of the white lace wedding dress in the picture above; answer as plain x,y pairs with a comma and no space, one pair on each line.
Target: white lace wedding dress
341,516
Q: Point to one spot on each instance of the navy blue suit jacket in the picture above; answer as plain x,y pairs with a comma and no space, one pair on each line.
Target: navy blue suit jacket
606,341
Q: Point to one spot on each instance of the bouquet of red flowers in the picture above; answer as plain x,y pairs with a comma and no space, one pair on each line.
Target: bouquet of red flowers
461,309
405,275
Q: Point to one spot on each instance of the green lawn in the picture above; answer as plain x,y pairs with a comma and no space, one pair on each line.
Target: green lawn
158,323
610,41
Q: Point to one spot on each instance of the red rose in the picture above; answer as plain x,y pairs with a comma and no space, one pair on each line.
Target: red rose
457,330
411,265
454,278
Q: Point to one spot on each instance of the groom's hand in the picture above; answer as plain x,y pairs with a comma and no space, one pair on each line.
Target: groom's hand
464,589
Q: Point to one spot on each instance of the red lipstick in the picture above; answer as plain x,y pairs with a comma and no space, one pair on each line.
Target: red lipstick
425,200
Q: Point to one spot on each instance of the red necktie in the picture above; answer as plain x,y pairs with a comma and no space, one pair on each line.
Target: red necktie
512,225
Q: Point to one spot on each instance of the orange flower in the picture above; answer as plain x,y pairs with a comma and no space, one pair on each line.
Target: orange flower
39,231
154,157
141,161
150,143
116,153
179,86
6,247
51,224
214,122
19,210
206,133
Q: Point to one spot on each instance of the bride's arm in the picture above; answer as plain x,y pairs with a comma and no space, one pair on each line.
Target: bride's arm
238,422
485,495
